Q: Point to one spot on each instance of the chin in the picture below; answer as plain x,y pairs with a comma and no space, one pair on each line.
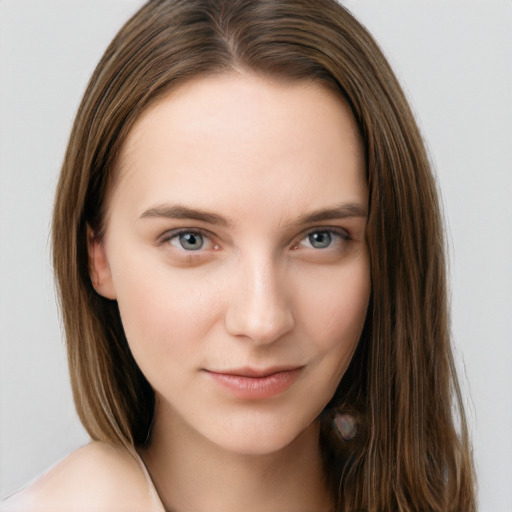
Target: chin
259,438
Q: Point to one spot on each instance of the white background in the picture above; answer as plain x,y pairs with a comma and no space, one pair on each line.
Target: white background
453,58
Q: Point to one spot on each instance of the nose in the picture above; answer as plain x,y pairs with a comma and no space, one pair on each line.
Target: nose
259,309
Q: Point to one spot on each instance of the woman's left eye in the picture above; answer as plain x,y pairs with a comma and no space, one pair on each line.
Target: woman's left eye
190,241
323,239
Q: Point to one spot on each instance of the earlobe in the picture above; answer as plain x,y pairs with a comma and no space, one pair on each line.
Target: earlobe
99,269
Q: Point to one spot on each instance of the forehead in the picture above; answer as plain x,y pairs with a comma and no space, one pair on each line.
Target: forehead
241,139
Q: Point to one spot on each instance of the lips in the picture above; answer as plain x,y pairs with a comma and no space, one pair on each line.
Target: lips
252,383
256,373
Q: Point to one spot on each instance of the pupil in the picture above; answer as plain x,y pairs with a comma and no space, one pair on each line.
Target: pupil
320,239
191,241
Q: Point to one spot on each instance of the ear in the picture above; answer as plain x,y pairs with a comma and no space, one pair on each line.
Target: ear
99,269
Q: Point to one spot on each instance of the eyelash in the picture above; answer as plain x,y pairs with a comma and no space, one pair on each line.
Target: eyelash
333,232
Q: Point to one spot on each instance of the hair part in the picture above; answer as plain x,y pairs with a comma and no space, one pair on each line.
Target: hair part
410,453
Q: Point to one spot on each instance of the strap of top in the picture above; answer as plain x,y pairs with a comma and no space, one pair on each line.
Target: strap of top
151,486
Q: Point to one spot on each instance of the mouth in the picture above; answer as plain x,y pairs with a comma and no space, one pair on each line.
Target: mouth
256,373
254,384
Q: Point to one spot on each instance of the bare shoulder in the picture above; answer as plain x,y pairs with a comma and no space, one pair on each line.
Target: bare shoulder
95,478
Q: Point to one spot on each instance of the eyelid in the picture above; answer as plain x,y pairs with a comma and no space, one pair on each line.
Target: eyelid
343,232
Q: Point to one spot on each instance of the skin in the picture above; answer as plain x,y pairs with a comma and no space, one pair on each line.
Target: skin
254,285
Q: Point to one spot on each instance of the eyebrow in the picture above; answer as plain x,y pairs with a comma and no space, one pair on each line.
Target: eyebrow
342,211
184,212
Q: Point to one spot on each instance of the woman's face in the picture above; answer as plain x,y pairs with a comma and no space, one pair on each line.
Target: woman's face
235,248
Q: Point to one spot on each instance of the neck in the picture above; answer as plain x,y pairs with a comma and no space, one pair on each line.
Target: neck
192,474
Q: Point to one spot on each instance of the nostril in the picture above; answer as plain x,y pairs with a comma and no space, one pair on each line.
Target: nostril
263,320
259,328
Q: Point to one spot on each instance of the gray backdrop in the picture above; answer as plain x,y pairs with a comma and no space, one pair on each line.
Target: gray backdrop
453,58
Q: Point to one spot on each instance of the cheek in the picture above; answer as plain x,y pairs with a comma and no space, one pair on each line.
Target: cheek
342,315
164,311
337,306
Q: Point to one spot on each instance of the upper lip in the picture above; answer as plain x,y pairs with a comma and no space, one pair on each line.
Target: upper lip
256,372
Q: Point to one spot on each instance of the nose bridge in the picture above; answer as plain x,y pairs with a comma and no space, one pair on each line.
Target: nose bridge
259,308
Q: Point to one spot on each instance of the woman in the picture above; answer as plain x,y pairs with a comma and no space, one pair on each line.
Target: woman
250,259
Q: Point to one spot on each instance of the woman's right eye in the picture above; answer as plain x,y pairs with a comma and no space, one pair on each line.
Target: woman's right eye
190,241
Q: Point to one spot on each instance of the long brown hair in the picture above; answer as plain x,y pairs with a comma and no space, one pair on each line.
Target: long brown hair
412,451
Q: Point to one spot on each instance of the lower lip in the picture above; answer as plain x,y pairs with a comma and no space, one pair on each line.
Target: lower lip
255,388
